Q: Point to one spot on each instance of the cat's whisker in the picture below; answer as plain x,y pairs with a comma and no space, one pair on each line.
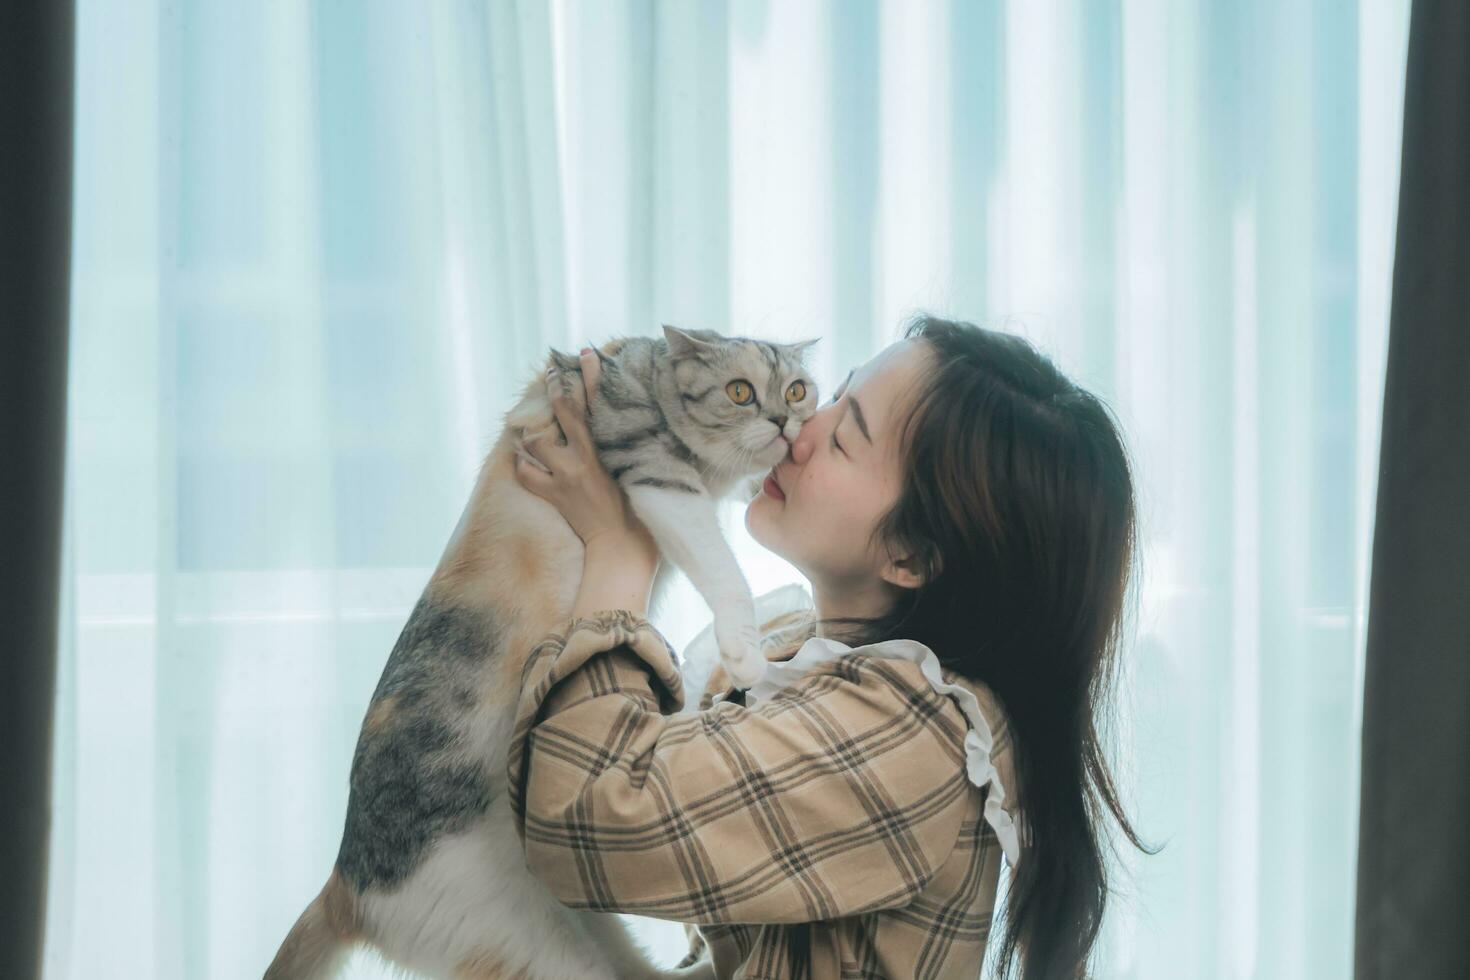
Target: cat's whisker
725,452
729,456
734,460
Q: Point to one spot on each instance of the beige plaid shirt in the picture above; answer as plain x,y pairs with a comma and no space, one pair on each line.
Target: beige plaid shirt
841,801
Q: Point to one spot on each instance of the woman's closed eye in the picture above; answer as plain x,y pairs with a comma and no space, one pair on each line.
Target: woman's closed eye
835,444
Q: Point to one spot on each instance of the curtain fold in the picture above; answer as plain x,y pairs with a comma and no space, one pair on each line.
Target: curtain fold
36,60
1413,855
318,246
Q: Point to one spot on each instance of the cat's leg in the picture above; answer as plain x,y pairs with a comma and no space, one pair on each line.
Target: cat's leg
686,527
662,579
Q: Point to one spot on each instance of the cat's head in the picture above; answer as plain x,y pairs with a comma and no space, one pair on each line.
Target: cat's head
741,395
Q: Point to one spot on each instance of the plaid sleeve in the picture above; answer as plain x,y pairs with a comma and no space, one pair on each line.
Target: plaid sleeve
842,794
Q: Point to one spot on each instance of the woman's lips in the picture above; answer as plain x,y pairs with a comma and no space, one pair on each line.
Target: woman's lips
772,488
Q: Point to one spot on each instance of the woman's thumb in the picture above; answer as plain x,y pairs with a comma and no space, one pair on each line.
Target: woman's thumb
591,371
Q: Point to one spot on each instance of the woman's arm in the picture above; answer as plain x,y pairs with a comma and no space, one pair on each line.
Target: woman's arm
844,795
616,574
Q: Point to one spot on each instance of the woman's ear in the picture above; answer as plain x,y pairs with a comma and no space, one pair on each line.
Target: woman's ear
903,572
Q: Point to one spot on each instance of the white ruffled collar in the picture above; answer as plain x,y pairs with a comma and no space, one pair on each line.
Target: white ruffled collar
979,740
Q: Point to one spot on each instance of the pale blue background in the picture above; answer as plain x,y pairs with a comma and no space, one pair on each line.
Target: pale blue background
318,244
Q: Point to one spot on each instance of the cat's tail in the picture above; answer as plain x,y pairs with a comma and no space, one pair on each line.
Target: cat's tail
319,942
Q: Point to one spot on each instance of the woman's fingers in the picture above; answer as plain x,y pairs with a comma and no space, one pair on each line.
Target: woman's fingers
570,409
591,371
546,461
535,453
532,476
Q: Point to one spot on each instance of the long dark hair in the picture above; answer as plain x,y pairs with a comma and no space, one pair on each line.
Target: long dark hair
1018,509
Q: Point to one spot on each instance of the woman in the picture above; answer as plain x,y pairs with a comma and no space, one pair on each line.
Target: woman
957,492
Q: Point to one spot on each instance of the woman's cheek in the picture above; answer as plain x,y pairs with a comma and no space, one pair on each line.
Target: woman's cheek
811,513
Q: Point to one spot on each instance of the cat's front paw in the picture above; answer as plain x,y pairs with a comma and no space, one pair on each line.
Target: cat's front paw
745,671
740,653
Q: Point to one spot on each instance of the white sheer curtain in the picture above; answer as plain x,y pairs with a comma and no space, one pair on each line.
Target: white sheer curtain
318,244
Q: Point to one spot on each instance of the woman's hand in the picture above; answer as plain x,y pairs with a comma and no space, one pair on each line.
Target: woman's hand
571,477
566,471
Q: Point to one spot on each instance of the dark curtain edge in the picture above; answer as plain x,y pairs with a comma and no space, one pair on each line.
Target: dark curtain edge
36,111
1413,855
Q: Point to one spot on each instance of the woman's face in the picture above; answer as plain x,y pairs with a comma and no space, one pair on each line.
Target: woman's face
842,475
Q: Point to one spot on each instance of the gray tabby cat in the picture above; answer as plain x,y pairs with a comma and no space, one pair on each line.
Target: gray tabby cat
684,422
430,872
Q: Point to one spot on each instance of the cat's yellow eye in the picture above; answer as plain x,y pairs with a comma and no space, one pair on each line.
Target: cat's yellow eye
796,391
740,391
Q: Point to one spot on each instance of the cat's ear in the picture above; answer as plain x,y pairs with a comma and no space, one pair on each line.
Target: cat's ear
799,348
684,344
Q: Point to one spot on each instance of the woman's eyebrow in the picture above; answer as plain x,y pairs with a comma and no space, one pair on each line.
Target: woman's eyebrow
843,386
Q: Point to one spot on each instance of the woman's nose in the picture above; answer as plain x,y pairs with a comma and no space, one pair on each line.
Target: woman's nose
801,449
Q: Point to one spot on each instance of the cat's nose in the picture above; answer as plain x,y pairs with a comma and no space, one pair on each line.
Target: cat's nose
780,421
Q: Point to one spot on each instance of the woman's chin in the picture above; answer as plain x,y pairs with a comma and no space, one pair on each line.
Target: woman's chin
758,518
767,530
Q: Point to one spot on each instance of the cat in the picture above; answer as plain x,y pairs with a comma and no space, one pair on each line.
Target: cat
430,871
681,425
